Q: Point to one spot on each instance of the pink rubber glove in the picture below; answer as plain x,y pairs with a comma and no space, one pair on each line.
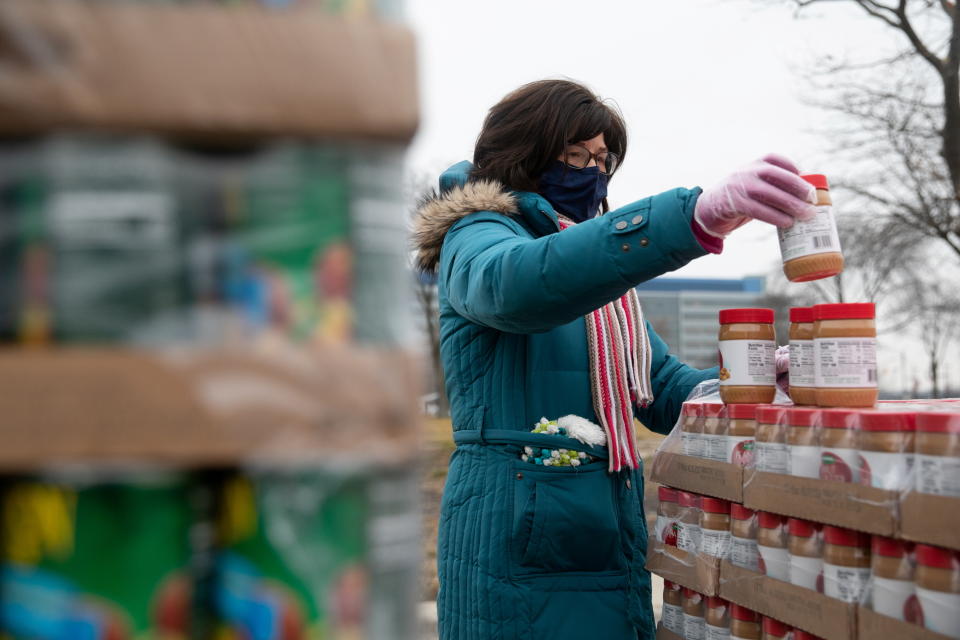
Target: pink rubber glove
769,189
783,368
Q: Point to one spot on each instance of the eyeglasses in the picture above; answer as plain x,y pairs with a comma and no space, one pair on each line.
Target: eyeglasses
578,156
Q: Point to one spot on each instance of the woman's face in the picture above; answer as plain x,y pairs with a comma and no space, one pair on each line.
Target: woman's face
584,153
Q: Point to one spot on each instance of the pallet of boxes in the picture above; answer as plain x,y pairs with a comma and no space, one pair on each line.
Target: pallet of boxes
208,424
825,514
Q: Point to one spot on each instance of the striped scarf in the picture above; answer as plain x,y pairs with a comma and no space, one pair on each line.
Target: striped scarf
619,371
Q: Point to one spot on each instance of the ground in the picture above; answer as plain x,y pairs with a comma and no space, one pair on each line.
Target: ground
438,447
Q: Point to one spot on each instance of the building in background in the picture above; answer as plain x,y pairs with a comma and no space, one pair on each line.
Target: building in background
684,311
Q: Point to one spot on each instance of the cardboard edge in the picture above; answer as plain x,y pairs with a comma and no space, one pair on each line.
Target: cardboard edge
700,573
679,471
665,634
872,625
930,519
841,504
770,597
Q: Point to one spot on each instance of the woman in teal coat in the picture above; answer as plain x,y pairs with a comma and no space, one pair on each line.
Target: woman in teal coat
542,535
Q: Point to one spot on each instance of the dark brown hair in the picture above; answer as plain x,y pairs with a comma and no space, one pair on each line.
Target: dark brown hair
529,128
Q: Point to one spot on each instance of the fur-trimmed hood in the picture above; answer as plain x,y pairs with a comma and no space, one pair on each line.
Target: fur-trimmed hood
437,212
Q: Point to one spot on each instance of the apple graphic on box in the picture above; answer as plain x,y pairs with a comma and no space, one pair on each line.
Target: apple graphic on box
742,454
832,467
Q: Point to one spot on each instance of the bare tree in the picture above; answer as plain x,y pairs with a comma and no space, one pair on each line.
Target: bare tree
935,309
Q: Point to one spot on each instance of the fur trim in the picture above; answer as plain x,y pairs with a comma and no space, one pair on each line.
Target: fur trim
435,214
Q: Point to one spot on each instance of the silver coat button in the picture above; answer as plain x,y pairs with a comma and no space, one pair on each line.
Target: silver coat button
637,219
622,224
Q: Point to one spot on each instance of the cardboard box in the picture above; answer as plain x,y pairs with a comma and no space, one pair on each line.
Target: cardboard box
837,503
199,407
700,573
202,71
665,634
808,610
872,625
930,519
699,475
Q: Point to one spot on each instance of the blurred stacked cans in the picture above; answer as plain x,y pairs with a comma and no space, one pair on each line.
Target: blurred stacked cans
207,271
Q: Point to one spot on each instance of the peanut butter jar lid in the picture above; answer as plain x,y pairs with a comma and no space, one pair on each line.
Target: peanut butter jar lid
938,422
802,528
845,311
888,420
715,602
845,537
738,612
690,593
817,179
839,418
775,627
751,316
770,414
769,520
801,314
889,547
673,586
800,634
667,494
802,417
740,512
712,409
692,408
742,411
688,499
715,505
937,557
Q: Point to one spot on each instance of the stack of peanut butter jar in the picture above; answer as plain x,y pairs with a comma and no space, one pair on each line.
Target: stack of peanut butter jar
818,513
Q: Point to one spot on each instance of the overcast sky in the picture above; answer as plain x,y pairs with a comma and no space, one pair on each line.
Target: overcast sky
705,86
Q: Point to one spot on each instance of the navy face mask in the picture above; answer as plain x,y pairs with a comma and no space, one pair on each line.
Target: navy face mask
576,193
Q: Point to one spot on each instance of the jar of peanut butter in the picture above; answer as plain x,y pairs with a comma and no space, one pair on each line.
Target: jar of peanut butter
743,538
938,589
799,634
937,455
714,527
839,458
747,363
718,619
803,442
694,612
775,630
803,379
741,434
691,429
744,623
811,248
845,353
846,563
715,424
672,614
806,554
893,592
688,537
668,514
772,545
886,448
771,439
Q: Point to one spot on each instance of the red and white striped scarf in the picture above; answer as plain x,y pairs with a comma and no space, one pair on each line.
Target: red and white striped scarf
619,350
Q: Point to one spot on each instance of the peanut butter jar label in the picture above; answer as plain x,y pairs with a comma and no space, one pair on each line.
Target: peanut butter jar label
772,457
885,470
810,237
714,447
774,562
840,465
714,543
717,633
804,461
740,450
692,444
694,627
807,572
844,583
938,475
896,599
802,371
672,618
744,553
845,363
688,538
748,363
941,611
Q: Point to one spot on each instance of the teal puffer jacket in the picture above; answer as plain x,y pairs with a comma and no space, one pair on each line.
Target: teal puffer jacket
527,551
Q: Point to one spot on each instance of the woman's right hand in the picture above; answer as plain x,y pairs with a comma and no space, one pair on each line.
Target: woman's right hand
769,189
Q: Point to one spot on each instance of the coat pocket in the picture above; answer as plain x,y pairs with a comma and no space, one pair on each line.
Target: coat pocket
565,520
